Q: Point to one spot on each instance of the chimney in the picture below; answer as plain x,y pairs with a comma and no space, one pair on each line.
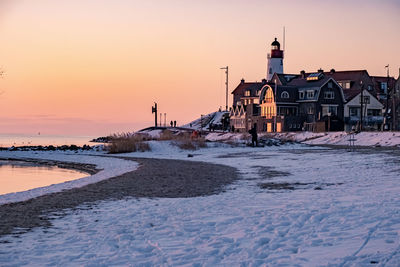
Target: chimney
264,81
242,81
332,71
320,70
302,74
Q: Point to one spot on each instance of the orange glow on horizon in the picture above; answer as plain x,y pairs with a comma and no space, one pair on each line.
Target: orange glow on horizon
96,67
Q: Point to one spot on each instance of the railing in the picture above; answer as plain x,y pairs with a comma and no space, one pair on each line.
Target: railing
366,120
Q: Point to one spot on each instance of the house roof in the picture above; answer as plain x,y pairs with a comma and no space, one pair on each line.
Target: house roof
380,79
251,86
285,78
304,83
350,94
292,91
347,75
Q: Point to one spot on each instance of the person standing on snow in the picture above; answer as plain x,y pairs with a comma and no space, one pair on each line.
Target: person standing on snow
254,137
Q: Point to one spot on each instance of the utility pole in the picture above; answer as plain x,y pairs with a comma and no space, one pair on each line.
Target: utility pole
226,83
154,110
276,106
387,96
361,108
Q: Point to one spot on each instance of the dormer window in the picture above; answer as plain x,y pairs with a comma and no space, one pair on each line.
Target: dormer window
310,94
301,95
247,93
384,87
285,94
345,85
315,76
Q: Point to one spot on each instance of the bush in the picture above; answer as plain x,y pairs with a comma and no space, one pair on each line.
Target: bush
126,142
167,135
188,143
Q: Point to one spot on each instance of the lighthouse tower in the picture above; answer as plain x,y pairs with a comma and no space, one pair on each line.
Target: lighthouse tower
275,60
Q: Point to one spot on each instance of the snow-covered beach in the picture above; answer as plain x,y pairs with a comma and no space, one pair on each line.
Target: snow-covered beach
293,205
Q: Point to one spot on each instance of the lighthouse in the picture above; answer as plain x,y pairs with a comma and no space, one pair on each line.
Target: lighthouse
275,60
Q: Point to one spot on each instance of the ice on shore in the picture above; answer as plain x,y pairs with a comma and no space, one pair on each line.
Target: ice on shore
110,167
351,220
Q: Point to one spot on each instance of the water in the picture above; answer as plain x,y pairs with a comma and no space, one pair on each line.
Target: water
8,140
22,176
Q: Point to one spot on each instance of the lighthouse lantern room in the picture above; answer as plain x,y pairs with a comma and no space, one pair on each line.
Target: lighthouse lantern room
275,60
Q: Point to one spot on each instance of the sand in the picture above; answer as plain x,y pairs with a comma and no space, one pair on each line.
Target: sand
155,178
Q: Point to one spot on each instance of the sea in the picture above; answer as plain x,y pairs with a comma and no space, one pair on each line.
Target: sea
9,140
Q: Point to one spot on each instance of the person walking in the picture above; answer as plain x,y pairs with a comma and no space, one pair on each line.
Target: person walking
254,137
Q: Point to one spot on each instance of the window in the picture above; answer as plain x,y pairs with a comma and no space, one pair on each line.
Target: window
310,94
345,85
384,87
369,87
374,112
301,95
329,95
330,85
285,94
366,99
354,111
314,76
270,70
247,93
310,110
329,110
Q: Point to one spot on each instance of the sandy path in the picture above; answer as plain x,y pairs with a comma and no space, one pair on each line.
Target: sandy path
154,178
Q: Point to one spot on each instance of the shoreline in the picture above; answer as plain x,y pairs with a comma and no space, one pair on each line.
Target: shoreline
155,178
90,169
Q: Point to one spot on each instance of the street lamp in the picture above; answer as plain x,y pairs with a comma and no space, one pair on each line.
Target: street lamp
329,121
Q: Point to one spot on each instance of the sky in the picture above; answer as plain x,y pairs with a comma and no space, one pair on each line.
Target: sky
95,67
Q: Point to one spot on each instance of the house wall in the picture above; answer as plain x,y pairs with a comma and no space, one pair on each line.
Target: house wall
304,108
355,102
337,100
372,122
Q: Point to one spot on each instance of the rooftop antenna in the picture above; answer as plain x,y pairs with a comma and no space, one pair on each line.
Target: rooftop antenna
283,38
284,33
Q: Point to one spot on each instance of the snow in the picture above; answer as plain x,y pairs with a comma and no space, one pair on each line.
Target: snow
353,221
370,139
214,118
361,139
111,167
155,133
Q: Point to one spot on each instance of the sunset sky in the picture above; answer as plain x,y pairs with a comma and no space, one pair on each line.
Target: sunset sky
95,67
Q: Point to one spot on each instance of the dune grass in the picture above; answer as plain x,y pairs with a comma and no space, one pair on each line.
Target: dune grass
127,142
